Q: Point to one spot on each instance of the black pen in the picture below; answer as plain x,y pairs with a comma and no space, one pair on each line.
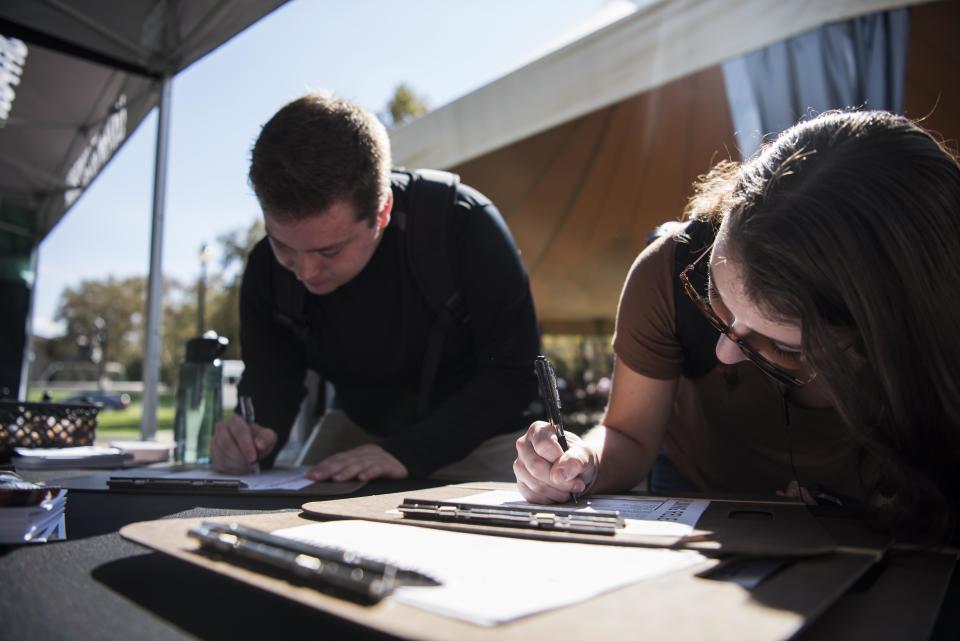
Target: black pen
246,411
551,399
352,574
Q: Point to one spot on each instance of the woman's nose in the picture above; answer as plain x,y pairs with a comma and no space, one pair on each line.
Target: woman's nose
729,352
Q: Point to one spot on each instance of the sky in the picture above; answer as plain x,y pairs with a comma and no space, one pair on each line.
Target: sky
359,49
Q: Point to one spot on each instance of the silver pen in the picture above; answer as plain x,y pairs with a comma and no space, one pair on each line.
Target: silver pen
246,411
551,400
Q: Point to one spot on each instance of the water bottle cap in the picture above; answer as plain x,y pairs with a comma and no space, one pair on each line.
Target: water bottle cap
206,348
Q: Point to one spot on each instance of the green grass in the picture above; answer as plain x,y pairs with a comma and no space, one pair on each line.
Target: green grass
118,425
113,425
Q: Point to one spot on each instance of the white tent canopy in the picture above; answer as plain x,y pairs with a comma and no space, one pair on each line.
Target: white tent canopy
590,147
647,49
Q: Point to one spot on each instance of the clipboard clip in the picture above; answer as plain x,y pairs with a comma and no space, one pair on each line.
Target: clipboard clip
529,517
160,483
329,569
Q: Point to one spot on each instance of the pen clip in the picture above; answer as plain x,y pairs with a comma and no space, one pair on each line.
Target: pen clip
246,409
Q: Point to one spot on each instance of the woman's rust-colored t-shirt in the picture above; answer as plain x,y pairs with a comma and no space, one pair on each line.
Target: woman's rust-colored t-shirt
727,432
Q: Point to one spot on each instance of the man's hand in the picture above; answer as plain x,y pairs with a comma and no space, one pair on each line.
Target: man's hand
796,491
365,463
547,474
237,445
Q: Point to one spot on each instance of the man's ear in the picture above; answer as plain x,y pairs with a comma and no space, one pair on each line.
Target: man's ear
383,216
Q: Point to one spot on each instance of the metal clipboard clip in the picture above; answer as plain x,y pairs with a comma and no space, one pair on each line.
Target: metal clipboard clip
159,483
332,570
529,517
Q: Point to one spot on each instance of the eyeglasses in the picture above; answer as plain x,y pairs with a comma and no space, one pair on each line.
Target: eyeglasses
703,304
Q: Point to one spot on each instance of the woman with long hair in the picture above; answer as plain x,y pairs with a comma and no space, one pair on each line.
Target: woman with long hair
797,334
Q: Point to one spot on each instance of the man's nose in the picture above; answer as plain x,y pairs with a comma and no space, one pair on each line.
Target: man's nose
729,352
308,265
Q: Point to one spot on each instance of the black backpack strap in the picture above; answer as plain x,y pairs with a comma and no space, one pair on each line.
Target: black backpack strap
290,312
697,336
431,198
288,297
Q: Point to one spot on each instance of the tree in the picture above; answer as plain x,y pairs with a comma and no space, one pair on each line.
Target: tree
179,326
119,336
119,303
405,105
224,293
107,316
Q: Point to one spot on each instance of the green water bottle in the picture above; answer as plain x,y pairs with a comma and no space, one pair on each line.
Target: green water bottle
199,398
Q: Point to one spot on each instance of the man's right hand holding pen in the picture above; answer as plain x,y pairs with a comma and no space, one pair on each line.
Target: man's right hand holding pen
239,444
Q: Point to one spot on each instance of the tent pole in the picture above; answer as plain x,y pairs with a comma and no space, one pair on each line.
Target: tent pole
151,362
28,328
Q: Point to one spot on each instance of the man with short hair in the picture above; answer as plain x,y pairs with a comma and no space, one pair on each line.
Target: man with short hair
337,288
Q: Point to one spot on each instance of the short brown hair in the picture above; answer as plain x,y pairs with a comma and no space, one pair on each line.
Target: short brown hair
319,150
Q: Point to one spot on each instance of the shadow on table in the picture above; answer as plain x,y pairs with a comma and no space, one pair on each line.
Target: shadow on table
215,608
95,514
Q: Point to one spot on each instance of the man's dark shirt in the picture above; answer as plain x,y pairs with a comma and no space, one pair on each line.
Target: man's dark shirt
370,336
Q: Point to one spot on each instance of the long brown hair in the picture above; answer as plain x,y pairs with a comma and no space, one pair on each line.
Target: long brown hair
849,224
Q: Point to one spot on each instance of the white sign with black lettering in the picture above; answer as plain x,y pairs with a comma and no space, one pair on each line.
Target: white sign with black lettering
13,56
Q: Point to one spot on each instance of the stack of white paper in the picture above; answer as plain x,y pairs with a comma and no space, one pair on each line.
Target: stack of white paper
144,451
37,523
69,457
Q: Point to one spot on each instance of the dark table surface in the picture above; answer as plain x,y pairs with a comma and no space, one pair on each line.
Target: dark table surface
96,585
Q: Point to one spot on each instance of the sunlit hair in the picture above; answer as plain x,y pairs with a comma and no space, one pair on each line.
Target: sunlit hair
849,225
319,150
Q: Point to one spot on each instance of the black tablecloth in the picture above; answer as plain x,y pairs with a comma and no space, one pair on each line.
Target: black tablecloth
97,585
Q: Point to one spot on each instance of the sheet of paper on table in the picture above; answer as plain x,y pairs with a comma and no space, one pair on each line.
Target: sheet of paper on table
81,456
488,580
275,479
654,516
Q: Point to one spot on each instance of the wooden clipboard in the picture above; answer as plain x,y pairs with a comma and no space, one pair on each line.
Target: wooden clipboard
899,598
752,528
684,604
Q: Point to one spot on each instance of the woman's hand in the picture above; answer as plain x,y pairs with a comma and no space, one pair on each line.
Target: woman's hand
547,474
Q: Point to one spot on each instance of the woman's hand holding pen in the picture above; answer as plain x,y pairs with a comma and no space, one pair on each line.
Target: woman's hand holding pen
238,445
547,474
